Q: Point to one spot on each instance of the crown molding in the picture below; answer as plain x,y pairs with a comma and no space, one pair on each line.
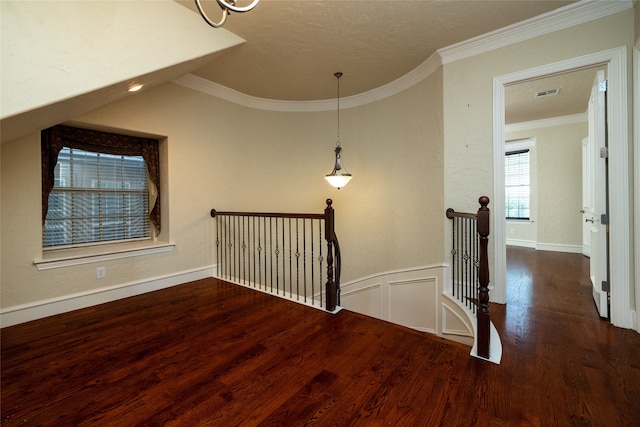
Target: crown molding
410,79
545,123
568,16
219,91
555,20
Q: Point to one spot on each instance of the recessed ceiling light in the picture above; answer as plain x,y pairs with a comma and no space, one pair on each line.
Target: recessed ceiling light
134,87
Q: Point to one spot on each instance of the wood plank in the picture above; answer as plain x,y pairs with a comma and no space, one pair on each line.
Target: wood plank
213,353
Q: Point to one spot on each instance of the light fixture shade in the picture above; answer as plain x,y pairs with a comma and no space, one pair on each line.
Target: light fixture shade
339,177
338,181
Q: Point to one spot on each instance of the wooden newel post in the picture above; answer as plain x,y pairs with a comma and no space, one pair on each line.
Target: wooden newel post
484,332
330,236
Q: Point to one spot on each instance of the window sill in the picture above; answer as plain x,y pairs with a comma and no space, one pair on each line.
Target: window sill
519,221
77,256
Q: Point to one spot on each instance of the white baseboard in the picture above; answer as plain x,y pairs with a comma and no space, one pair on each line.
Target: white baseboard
37,310
554,247
521,243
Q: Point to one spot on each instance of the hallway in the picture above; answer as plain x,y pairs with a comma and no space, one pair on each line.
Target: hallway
578,365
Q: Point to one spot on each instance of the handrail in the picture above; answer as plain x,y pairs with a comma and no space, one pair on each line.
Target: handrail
240,233
481,220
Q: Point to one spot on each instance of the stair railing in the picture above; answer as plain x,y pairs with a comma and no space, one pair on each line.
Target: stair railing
470,268
281,253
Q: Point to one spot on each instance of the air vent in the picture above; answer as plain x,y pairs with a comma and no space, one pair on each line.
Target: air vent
549,92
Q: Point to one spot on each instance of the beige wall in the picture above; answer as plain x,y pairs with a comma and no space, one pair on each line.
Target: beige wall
468,99
229,157
637,22
556,163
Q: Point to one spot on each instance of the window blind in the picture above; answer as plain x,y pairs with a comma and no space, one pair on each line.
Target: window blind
97,197
517,185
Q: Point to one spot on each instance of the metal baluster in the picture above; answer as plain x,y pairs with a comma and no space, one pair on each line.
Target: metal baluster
297,259
290,263
259,249
313,287
277,252
304,257
271,253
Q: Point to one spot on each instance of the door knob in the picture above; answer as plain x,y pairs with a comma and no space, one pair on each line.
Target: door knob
588,220
582,211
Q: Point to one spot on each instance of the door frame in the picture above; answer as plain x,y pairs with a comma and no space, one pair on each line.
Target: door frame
636,153
587,200
619,255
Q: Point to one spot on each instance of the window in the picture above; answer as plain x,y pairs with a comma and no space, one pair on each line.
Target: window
98,187
96,198
517,187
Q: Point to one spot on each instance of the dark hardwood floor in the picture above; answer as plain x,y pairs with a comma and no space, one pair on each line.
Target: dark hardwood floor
211,353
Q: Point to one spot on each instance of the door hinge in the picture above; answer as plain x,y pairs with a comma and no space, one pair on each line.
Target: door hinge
602,86
604,219
605,286
604,152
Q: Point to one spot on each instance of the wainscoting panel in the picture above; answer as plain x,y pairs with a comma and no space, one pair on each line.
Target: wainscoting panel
456,324
419,298
410,297
365,299
411,303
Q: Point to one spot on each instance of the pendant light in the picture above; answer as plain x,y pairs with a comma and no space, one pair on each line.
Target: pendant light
339,177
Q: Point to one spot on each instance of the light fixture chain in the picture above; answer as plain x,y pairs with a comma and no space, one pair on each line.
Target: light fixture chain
338,75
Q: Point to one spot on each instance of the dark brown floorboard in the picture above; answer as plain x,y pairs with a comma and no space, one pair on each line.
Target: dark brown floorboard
212,353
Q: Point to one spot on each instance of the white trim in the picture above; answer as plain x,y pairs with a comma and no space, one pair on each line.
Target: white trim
521,144
87,258
315,301
522,243
384,274
636,192
495,346
555,20
618,177
455,309
37,310
546,123
557,247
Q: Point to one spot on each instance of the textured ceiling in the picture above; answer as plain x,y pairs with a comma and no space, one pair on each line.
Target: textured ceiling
521,104
294,46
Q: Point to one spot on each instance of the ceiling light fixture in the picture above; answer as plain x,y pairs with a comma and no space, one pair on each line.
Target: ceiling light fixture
227,7
339,177
134,87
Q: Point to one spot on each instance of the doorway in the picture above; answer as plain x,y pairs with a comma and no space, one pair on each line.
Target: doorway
564,190
615,62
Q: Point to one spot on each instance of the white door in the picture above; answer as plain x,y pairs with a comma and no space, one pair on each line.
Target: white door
587,195
594,215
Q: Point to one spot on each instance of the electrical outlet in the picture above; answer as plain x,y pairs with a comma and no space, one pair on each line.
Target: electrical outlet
101,272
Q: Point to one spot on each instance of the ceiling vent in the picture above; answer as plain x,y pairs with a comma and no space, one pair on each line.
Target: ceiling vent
549,92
